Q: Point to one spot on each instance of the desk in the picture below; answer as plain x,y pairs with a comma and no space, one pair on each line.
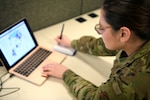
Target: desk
94,69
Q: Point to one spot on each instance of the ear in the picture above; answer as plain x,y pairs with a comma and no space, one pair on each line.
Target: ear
125,34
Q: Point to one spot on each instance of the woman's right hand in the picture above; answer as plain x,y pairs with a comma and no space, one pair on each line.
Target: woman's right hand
64,41
54,69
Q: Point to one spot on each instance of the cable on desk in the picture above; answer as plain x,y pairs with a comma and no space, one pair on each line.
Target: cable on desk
15,89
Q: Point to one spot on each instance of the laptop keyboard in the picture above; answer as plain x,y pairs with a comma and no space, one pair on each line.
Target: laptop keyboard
29,65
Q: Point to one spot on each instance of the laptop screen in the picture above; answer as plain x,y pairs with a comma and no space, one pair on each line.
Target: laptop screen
16,42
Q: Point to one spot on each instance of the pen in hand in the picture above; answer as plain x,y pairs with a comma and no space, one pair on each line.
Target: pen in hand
61,32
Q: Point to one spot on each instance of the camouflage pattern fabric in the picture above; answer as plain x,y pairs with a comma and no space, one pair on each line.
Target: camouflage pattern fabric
129,79
91,45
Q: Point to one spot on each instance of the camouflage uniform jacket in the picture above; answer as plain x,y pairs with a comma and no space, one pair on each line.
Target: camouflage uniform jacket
129,79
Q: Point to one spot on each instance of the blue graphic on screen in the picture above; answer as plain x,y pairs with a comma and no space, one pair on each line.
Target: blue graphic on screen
16,42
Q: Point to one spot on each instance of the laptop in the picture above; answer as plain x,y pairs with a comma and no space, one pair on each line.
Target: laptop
21,54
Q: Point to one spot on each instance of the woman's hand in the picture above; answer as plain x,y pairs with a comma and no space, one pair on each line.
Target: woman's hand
54,69
64,41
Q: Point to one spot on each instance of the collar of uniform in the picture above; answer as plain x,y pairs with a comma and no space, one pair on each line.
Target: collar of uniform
124,59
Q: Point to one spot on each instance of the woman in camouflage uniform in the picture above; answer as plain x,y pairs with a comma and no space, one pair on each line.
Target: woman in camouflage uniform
125,29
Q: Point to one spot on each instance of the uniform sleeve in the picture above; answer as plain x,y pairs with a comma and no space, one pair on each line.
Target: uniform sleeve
91,45
85,90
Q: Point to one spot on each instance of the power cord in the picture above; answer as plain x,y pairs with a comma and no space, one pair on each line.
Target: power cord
15,89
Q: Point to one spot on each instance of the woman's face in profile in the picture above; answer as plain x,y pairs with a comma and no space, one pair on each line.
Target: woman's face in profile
109,36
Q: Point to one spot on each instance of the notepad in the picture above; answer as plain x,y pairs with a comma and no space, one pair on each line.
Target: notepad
65,50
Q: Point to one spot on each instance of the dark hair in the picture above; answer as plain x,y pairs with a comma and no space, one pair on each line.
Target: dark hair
134,14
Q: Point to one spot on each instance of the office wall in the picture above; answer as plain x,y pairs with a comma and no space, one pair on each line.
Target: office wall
43,13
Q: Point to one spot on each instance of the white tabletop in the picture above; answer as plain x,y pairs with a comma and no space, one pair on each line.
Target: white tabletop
92,68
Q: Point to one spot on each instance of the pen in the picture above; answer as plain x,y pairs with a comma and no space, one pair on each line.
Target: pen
61,31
